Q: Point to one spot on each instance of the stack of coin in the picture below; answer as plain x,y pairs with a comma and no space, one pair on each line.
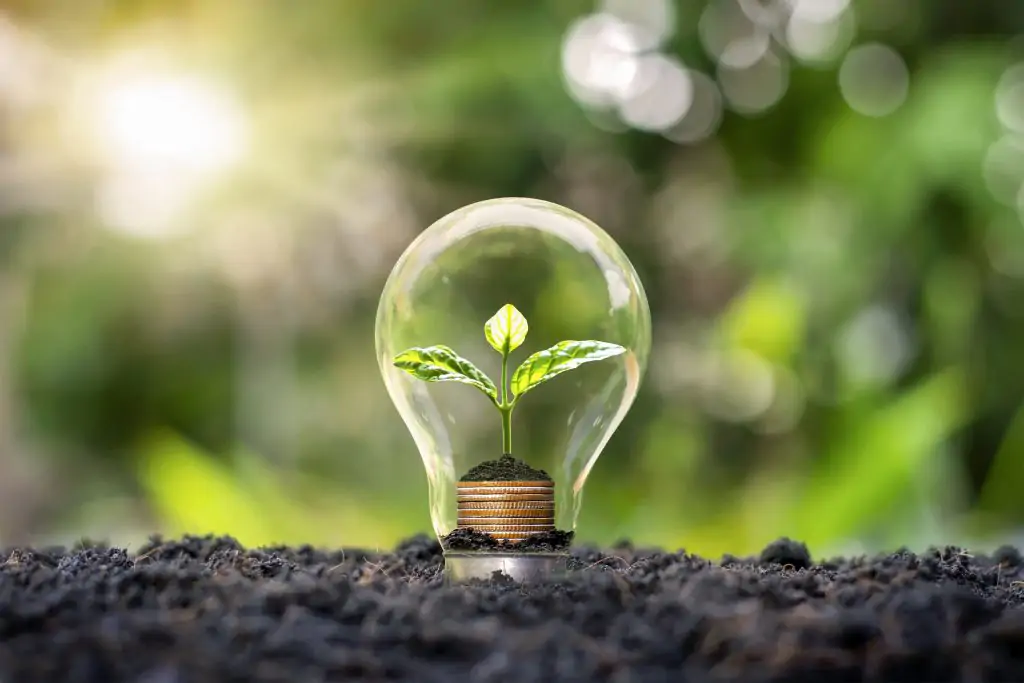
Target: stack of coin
507,510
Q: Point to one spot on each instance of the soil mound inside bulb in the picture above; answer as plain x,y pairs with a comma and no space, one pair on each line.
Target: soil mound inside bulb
473,540
505,468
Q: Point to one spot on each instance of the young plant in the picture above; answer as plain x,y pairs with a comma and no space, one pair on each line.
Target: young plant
505,332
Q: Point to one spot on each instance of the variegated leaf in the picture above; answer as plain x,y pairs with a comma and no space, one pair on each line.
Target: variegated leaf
441,364
562,357
506,330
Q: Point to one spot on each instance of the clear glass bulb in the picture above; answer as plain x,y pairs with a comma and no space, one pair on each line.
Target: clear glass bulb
570,281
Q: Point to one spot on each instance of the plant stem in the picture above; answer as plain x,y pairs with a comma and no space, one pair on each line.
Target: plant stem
506,429
505,408
504,379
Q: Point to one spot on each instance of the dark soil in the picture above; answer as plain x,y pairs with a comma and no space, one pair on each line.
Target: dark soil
205,610
473,540
505,468
789,554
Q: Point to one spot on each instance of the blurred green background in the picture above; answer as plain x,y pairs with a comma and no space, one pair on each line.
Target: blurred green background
200,203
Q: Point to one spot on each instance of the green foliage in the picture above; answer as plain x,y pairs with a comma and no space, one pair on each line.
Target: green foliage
198,492
441,364
505,331
904,438
562,357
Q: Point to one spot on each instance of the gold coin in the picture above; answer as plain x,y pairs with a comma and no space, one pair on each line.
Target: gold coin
508,490
488,525
519,528
507,505
518,521
506,513
505,497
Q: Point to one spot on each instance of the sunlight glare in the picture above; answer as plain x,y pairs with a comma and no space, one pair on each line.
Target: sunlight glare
174,121
161,138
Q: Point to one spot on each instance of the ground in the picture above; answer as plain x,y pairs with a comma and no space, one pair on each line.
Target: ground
207,610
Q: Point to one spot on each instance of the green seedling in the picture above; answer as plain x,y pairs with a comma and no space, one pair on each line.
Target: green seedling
506,332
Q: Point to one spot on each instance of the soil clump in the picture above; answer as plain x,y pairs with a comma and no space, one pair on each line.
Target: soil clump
470,539
505,468
207,610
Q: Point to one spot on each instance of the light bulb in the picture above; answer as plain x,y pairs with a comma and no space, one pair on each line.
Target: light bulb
512,336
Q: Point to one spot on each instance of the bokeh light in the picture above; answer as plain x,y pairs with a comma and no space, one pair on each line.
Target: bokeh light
704,115
610,62
1003,168
730,36
874,347
652,22
814,40
755,88
1010,98
820,11
740,388
770,14
874,79
664,97
600,56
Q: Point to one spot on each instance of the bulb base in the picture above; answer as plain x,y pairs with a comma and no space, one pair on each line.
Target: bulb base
521,567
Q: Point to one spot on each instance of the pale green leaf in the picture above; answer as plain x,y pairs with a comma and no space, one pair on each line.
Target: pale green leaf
562,357
441,364
506,330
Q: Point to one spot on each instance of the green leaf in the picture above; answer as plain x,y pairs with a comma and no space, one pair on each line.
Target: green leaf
441,364
562,357
879,462
506,330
